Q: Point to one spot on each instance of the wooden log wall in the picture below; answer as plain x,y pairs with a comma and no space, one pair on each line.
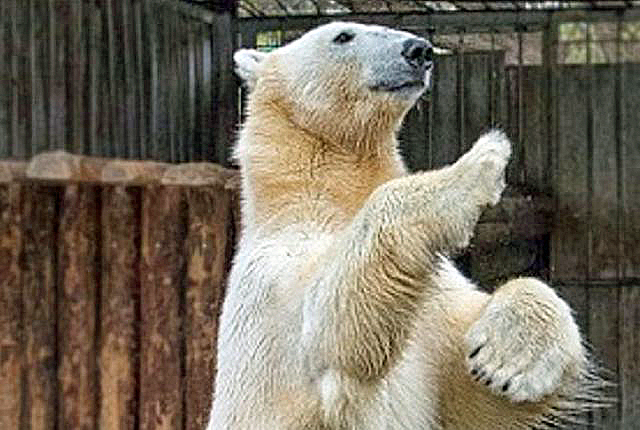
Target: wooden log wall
111,278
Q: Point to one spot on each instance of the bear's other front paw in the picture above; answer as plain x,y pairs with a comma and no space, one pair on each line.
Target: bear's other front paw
484,165
525,345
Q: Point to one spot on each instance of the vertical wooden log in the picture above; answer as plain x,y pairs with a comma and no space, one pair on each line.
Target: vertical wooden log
162,277
11,347
630,356
39,306
207,240
78,274
119,300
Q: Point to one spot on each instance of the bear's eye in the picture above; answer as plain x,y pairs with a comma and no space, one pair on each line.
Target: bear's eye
344,37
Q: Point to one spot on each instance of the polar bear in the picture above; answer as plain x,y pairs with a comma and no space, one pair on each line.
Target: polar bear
343,310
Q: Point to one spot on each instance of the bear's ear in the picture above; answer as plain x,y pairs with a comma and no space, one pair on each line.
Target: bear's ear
247,65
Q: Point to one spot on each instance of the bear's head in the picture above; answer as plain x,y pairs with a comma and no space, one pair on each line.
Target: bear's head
343,82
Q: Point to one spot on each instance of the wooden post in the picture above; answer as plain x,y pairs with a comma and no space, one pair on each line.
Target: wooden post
11,357
39,213
207,242
119,314
78,241
162,280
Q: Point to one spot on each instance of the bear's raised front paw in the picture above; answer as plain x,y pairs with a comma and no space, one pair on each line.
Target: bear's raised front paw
484,165
526,345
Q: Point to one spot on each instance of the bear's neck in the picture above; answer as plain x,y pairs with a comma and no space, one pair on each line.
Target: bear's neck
292,176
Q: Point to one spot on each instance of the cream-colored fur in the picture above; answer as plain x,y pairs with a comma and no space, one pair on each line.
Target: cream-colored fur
343,311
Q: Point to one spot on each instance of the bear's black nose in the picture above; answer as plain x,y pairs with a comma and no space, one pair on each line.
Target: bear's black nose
417,52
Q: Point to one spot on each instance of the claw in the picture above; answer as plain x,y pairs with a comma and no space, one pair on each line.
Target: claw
475,351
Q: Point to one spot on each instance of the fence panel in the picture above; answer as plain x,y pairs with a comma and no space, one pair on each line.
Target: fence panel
631,171
118,78
111,281
569,256
120,273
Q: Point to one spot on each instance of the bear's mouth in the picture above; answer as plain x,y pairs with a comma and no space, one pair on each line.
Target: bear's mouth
396,87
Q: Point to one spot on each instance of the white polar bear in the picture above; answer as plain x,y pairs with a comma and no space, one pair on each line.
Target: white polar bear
343,311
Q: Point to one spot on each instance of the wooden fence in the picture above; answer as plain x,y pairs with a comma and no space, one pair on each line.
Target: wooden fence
576,133
111,279
143,79
111,272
